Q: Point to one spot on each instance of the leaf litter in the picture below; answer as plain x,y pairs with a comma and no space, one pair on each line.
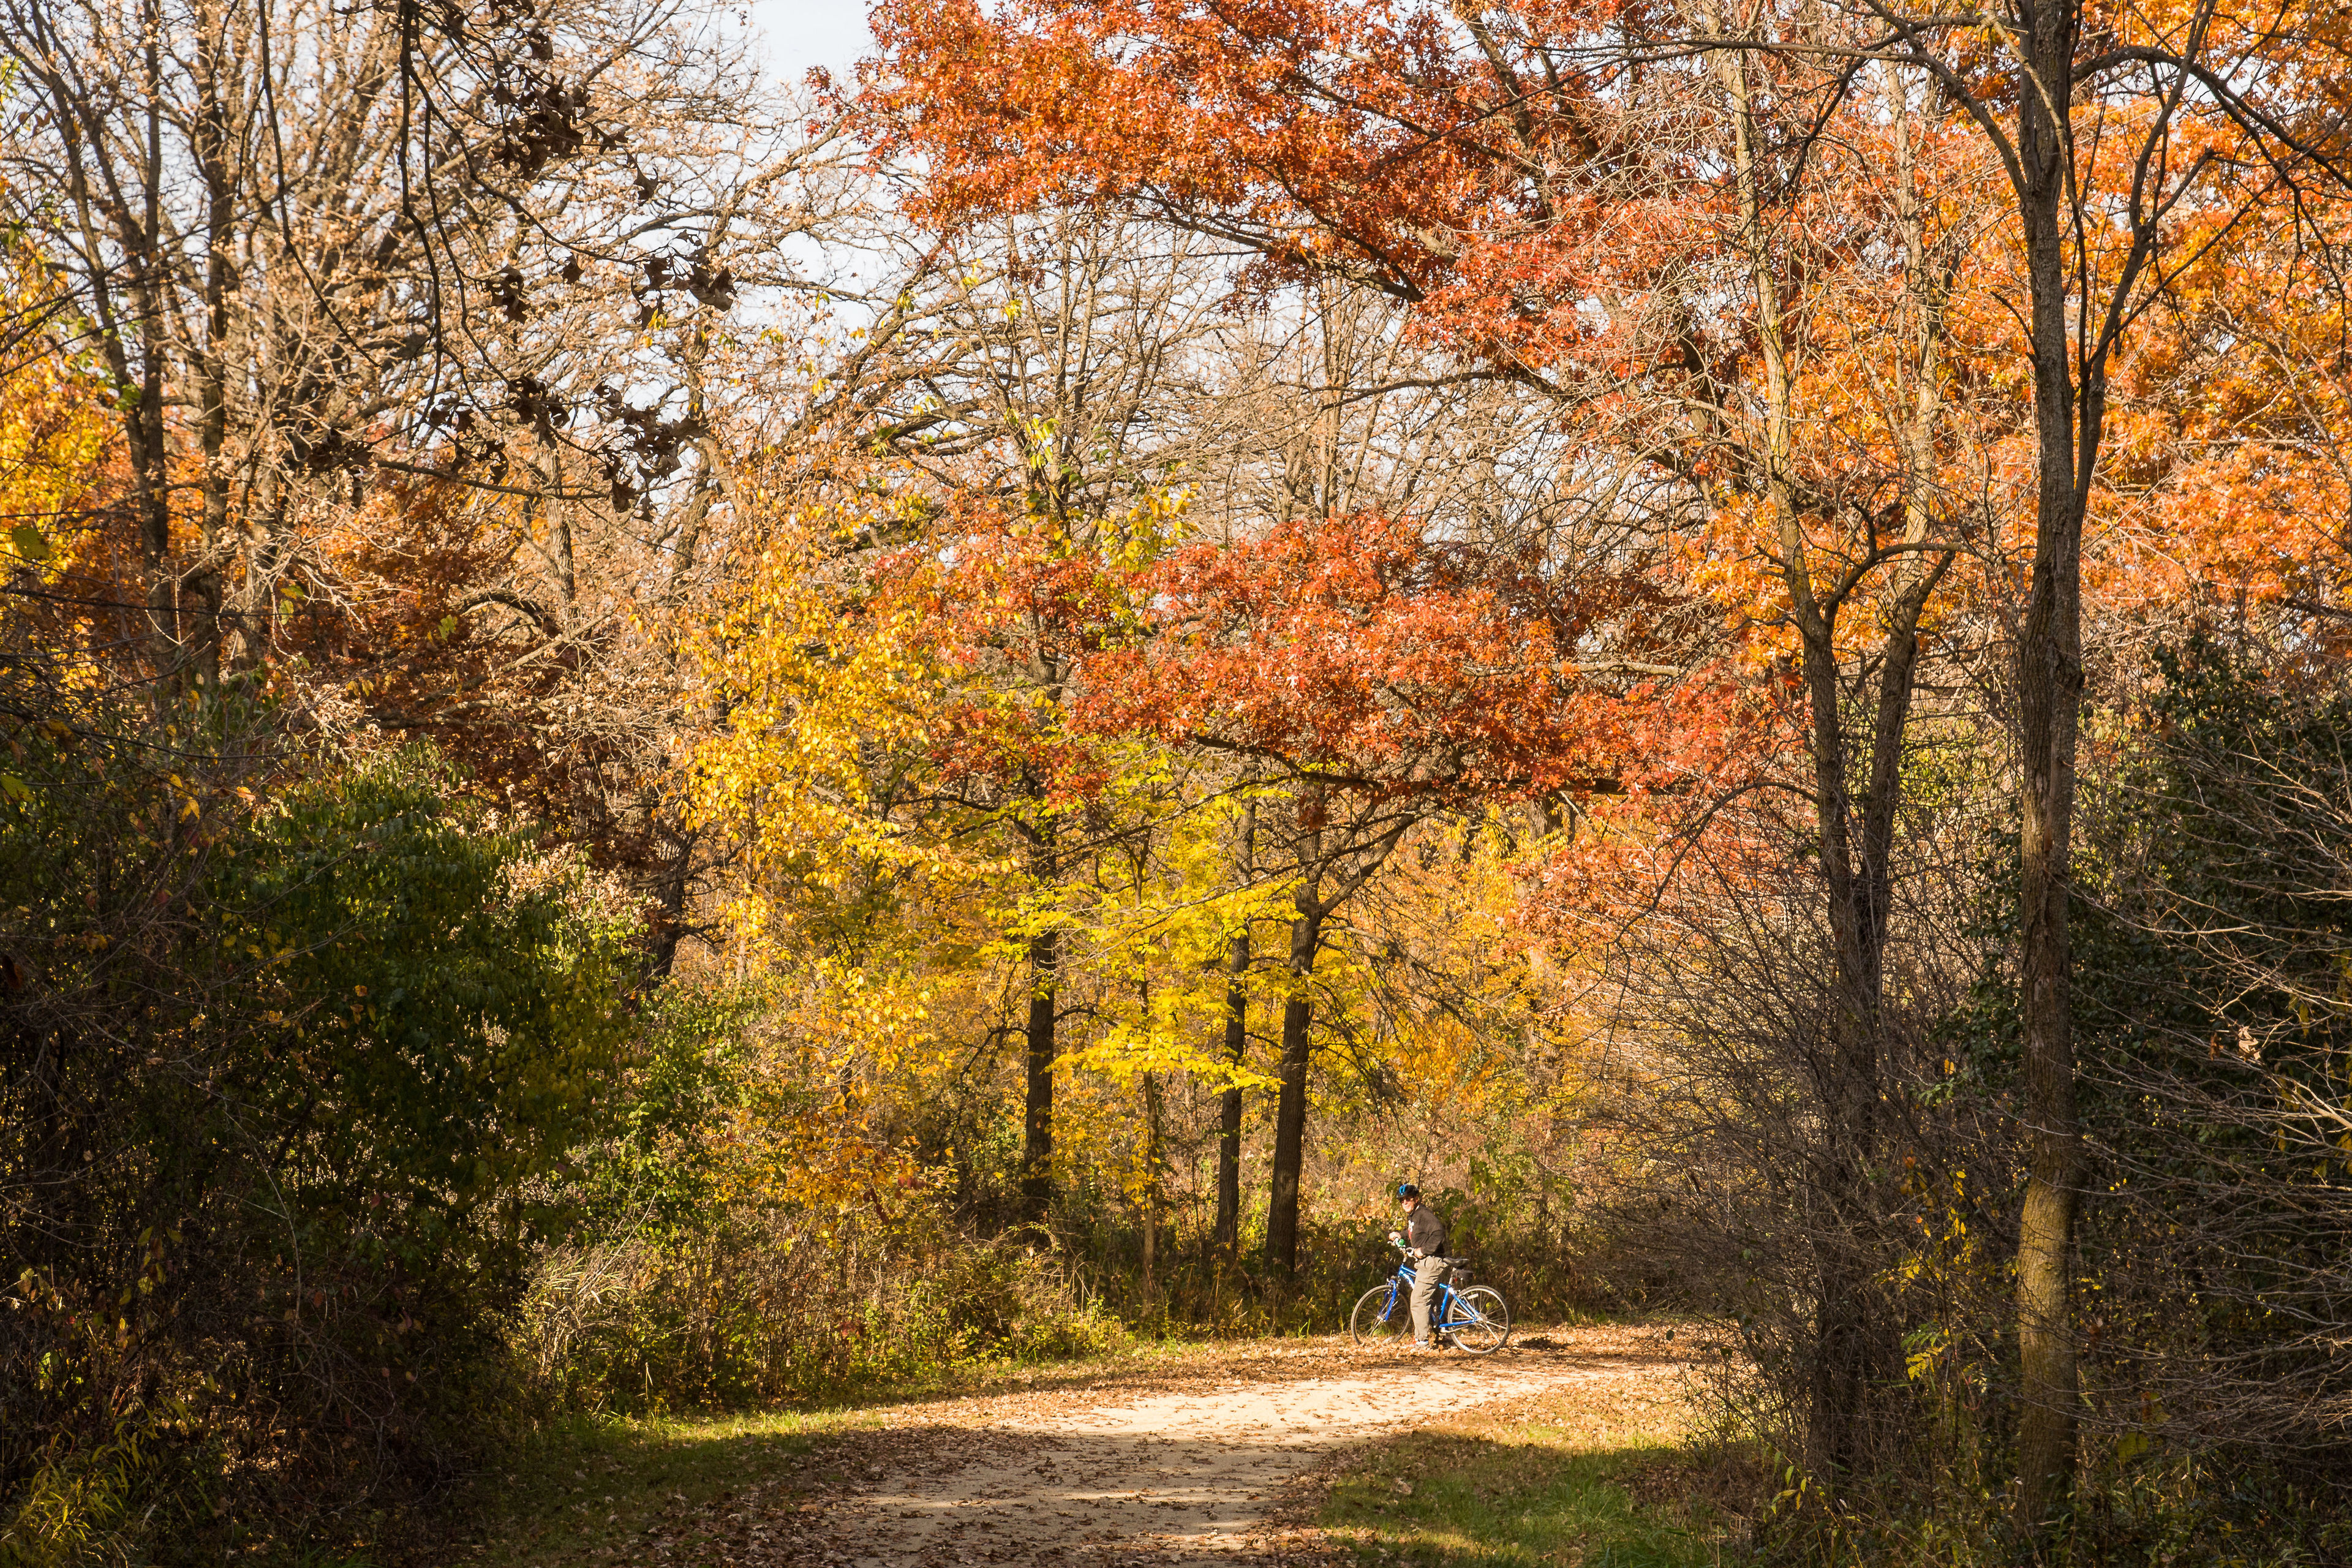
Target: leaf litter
1220,1457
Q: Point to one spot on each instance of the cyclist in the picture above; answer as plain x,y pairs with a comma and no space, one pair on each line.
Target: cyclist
1425,1242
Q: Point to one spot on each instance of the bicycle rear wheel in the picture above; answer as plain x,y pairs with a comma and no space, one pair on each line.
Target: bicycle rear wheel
1375,1322
1477,1320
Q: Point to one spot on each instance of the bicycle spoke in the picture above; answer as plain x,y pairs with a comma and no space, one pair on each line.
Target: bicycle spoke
1381,1313
1484,1324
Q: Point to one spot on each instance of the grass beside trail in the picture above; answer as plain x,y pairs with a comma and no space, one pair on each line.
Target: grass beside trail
1573,1480
593,1489
588,1490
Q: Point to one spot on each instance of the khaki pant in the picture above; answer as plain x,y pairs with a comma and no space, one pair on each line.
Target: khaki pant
1425,1281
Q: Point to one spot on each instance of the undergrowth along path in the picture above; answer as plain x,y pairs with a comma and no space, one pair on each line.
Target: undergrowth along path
1221,1459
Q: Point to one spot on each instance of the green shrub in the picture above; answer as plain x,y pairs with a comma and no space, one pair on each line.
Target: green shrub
292,1077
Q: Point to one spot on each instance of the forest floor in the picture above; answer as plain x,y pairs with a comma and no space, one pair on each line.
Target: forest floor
1266,1452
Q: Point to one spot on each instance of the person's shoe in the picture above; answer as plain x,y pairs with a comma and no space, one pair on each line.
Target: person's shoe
1420,1344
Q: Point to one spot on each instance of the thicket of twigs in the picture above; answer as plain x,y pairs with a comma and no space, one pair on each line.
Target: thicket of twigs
2217,1220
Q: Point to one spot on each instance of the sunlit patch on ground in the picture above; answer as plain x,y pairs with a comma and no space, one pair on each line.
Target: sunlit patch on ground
1215,1454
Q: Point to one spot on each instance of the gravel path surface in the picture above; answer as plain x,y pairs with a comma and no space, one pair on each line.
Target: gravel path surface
1209,1463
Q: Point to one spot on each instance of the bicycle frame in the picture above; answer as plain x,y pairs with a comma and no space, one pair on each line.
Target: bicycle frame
1440,1311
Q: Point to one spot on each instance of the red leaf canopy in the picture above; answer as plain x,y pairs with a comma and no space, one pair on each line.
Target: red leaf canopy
1352,651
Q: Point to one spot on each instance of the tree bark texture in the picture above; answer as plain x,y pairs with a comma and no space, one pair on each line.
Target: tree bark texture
1227,1232
1037,1117
2050,694
1290,1110
1150,1187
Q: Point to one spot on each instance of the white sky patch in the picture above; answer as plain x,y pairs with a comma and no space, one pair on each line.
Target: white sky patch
792,35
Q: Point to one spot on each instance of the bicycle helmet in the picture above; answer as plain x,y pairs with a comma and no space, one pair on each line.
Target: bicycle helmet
1408,1191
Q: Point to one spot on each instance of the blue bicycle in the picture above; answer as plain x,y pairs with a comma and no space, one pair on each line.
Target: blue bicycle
1473,1317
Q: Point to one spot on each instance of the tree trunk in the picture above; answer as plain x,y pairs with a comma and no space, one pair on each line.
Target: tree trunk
1227,1233
1847,1330
2050,680
1290,1113
149,451
1151,1186
2050,692
207,362
1037,1119
673,888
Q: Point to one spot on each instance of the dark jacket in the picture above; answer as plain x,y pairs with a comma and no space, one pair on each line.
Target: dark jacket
1425,1230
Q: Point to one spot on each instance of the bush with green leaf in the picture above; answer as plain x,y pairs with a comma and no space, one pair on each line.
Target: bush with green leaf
293,1064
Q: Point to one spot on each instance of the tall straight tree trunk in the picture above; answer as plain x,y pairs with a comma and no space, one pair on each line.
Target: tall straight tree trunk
212,147
1037,1117
2049,679
1847,1328
1290,1110
1227,1233
1150,1187
150,449
2050,696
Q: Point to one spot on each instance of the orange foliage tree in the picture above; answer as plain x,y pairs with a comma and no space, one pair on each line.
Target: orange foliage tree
1732,271
1734,239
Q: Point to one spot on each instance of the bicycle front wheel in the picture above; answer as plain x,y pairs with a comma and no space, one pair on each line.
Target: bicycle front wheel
1376,1319
1478,1321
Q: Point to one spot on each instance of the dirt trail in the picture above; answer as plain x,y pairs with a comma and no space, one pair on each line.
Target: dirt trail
1183,1466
